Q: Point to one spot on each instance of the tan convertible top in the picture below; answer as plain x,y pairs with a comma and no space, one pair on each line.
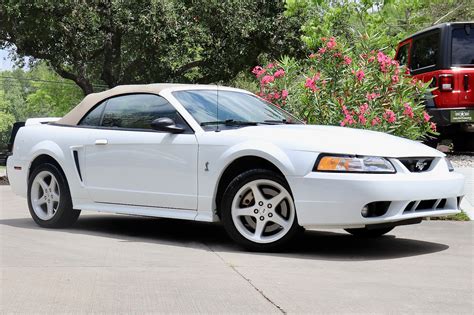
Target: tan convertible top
75,115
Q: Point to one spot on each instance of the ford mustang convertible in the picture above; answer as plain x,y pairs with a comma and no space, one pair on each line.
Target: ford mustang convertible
211,154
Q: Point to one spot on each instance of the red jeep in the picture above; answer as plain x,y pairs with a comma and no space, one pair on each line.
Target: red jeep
444,54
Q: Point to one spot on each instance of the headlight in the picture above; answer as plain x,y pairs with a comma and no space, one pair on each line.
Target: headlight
450,165
353,164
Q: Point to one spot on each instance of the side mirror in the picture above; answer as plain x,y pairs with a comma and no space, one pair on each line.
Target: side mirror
166,124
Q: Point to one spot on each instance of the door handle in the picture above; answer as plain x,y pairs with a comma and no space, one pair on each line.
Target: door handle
101,142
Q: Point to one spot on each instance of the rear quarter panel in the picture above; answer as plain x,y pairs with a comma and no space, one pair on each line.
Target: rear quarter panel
55,141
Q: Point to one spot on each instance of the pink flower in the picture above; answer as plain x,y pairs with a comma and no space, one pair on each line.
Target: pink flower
375,121
270,66
372,96
408,111
347,60
382,58
360,75
284,94
337,55
397,70
321,51
311,56
331,43
363,108
267,79
426,117
324,39
279,73
311,84
362,119
389,116
344,110
433,126
258,71
395,79
348,120
276,95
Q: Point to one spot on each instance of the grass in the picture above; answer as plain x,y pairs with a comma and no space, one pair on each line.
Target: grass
455,217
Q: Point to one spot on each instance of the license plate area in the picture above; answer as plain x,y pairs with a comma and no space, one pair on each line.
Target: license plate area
461,115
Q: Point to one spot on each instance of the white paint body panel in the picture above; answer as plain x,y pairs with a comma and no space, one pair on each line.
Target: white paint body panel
165,175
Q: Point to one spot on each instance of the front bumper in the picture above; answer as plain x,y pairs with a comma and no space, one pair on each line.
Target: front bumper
336,199
17,173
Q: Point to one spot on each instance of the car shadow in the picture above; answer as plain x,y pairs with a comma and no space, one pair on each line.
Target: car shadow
319,245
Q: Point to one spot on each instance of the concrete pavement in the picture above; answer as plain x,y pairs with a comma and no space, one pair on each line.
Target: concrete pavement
122,264
467,204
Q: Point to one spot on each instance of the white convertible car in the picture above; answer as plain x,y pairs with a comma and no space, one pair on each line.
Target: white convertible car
222,154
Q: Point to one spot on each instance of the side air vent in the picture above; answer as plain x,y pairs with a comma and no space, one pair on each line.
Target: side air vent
425,205
76,161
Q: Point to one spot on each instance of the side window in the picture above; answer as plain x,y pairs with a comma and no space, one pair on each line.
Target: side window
425,51
402,55
93,117
462,51
137,111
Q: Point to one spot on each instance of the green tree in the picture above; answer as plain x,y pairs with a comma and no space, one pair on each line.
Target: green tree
386,22
37,92
120,42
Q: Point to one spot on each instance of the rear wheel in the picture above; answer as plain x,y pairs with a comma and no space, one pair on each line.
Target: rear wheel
365,232
49,199
258,211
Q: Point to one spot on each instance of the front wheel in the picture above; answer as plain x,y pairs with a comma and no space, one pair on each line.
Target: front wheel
258,211
365,232
49,199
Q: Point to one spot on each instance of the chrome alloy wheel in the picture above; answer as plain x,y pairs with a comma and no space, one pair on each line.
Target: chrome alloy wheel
263,211
45,195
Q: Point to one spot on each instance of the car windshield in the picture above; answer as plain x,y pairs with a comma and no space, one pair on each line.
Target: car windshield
463,47
236,109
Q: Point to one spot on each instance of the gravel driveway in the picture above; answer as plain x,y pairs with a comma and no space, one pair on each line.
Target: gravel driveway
120,264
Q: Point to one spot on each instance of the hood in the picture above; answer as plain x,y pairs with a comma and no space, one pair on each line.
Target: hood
331,139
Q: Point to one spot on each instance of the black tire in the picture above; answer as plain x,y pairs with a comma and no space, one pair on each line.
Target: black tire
65,215
226,208
370,233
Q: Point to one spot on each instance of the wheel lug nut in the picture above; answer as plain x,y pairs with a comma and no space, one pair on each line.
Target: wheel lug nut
269,206
260,203
262,218
270,215
255,211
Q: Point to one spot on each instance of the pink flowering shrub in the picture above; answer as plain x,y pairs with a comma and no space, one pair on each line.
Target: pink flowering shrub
354,87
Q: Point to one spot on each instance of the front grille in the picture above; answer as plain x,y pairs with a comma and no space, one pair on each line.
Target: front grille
417,165
425,205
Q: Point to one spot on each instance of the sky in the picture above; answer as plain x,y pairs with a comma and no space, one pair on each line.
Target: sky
5,62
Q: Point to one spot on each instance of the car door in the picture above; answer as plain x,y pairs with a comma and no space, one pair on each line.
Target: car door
129,163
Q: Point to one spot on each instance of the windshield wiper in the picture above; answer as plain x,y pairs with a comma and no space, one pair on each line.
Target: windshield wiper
230,122
282,121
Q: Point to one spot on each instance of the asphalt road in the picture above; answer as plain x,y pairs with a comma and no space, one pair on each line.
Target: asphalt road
120,264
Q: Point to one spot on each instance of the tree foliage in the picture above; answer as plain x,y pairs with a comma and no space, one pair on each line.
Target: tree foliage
387,21
36,92
122,42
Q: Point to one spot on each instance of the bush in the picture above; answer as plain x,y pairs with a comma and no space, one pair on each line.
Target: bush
352,87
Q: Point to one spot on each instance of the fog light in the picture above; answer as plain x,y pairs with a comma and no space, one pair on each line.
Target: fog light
365,211
375,209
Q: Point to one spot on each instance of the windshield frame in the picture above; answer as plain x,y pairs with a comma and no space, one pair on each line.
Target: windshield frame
172,94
